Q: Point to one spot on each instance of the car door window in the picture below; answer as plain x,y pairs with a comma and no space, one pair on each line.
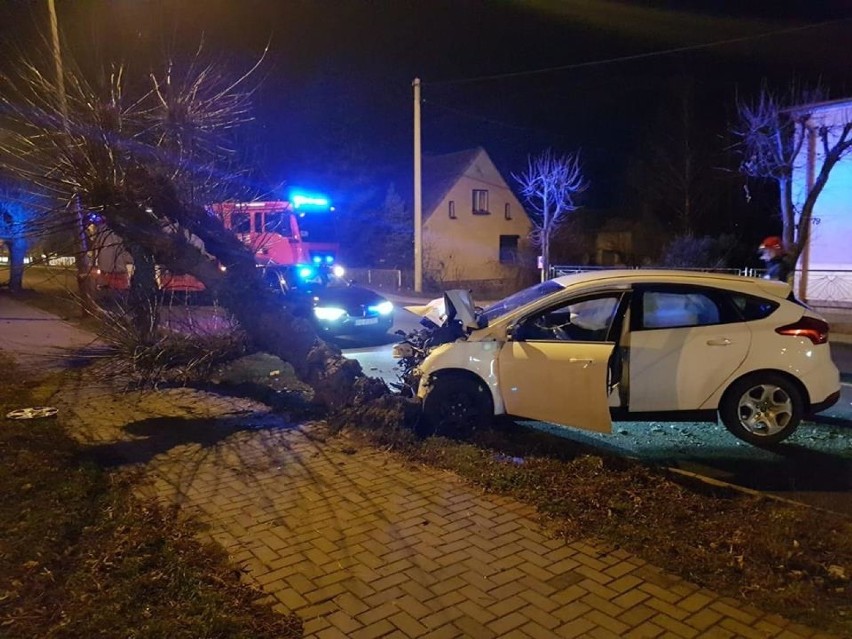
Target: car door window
585,320
679,308
273,281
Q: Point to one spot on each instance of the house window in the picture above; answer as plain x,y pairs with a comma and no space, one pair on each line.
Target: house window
507,211
480,202
452,210
509,249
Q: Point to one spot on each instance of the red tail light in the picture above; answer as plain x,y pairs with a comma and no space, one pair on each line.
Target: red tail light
814,329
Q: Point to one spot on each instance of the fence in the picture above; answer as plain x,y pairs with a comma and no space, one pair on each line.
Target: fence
386,278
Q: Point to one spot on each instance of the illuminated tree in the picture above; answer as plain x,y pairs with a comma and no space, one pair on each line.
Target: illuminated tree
144,155
550,187
776,133
18,216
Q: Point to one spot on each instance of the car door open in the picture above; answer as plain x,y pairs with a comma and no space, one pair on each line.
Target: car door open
555,365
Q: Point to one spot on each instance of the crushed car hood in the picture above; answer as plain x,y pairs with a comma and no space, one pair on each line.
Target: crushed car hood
455,304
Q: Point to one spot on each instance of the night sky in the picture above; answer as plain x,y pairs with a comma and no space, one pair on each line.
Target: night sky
336,85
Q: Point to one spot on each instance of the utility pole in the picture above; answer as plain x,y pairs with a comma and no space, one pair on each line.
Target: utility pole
418,194
85,283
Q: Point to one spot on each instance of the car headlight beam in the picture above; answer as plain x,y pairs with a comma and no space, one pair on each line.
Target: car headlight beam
385,308
328,313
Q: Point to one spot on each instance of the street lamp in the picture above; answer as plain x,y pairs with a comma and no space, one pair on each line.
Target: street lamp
418,194
85,284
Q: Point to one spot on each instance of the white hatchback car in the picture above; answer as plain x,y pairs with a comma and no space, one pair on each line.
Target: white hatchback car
581,350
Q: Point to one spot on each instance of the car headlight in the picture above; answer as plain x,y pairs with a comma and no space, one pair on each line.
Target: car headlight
328,313
385,308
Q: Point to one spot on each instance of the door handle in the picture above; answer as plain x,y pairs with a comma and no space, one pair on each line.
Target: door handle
584,362
722,341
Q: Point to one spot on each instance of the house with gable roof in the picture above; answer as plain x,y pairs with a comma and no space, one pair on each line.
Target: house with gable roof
824,275
475,231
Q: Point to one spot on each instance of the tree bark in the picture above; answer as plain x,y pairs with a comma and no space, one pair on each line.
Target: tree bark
239,289
17,253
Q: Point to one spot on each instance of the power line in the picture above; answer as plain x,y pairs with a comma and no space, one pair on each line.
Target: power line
637,56
499,123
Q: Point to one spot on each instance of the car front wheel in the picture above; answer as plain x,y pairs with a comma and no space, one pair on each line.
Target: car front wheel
455,406
762,409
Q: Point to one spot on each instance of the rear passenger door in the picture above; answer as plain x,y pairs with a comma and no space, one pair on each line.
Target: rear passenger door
685,342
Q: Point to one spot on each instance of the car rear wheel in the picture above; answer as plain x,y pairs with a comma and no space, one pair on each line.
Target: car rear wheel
762,409
455,406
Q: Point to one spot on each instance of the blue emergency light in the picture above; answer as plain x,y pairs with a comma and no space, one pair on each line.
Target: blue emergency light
310,202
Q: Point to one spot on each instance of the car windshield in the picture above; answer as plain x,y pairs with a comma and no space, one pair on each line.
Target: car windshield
516,300
311,278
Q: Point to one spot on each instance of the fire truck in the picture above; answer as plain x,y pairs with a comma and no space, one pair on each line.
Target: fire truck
294,231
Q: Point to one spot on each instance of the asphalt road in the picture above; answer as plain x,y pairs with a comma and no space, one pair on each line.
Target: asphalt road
814,466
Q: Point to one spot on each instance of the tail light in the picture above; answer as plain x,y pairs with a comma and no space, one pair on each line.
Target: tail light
814,329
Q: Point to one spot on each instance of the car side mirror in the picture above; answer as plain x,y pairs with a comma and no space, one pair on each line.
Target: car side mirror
515,333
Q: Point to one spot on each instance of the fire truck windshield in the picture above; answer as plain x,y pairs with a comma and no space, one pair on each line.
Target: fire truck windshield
318,227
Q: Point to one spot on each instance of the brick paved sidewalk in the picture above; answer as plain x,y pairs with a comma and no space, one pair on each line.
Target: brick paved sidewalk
362,545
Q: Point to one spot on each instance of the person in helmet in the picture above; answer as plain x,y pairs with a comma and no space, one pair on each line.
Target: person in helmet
778,265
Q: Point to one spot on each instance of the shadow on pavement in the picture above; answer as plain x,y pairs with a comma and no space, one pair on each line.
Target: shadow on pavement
157,435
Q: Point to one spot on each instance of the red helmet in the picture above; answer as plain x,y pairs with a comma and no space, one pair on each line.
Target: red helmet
772,242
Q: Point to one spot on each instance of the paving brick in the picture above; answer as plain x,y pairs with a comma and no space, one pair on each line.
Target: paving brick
413,606
472,628
659,592
443,616
448,585
637,615
647,630
447,631
387,596
603,633
717,633
598,603
541,617
575,628
741,630
502,626
477,612
344,622
571,611
377,613
630,598
569,594
675,612
703,619
695,601
727,610
378,629
419,592
331,632
539,601
508,605
408,624
673,625
312,627
506,590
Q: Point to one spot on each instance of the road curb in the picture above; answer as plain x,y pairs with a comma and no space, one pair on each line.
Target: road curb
718,483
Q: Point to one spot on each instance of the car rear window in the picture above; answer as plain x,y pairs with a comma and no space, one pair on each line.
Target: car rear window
753,308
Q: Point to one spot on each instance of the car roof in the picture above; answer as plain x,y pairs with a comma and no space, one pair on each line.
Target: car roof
624,277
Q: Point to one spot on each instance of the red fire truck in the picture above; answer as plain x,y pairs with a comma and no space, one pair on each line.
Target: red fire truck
295,231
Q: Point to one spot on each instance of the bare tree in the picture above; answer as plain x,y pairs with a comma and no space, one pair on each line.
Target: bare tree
550,186
143,156
777,132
